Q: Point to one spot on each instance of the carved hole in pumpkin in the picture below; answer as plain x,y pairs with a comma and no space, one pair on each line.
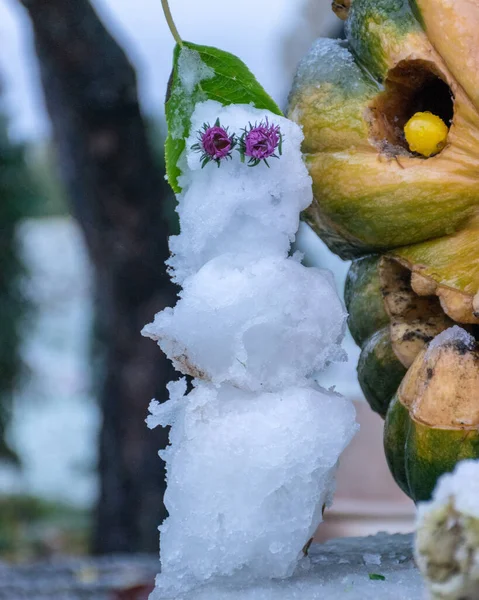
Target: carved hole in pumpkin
411,86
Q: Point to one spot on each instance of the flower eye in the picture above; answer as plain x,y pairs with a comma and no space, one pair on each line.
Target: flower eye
260,142
214,143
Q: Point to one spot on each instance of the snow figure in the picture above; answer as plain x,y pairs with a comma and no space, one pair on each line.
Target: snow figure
255,444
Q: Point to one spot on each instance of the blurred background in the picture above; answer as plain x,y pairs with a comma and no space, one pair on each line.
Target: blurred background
84,219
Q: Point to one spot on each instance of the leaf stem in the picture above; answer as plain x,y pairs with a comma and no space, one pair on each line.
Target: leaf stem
171,23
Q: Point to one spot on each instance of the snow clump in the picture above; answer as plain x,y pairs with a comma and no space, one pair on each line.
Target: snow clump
447,540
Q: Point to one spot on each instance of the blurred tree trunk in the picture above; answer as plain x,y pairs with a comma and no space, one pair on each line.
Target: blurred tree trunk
116,194
17,201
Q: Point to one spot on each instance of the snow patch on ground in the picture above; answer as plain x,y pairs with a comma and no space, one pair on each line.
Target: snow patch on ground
333,571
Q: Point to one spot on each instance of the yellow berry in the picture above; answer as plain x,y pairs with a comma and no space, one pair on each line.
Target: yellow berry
426,133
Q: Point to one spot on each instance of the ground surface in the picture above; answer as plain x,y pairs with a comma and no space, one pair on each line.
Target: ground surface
106,578
342,569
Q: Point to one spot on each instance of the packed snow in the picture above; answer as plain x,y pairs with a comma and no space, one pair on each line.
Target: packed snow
371,559
234,208
254,445
250,475
333,571
249,322
447,544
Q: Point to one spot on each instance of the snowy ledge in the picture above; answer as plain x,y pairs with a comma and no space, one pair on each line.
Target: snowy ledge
344,568
337,570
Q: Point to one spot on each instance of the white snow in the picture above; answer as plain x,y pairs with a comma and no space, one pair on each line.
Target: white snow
250,323
236,208
447,544
371,559
328,53
255,444
191,69
452,335
333,571
248,475
191,72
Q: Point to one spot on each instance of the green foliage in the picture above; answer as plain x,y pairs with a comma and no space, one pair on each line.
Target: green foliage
31,527
16,201
222,77
51,195
156,135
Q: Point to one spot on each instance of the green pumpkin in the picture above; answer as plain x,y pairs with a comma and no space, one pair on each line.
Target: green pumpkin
363,298
390,322
379,371
433,421
409,221
371,192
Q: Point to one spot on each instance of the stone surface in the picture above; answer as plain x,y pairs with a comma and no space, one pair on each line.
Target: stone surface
105,578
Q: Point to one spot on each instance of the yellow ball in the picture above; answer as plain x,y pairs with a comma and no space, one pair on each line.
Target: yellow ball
426,133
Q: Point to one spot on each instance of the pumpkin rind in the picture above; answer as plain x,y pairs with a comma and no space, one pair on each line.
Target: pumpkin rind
363,299
377,29
379,371
370,193
432,423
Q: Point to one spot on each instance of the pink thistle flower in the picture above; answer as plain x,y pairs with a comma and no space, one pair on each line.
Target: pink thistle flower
261,142
215,143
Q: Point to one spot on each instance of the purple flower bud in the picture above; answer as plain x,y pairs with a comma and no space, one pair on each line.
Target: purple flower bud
214,143
261,142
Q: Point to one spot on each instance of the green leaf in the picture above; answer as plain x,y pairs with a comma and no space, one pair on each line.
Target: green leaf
204,73
376,577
